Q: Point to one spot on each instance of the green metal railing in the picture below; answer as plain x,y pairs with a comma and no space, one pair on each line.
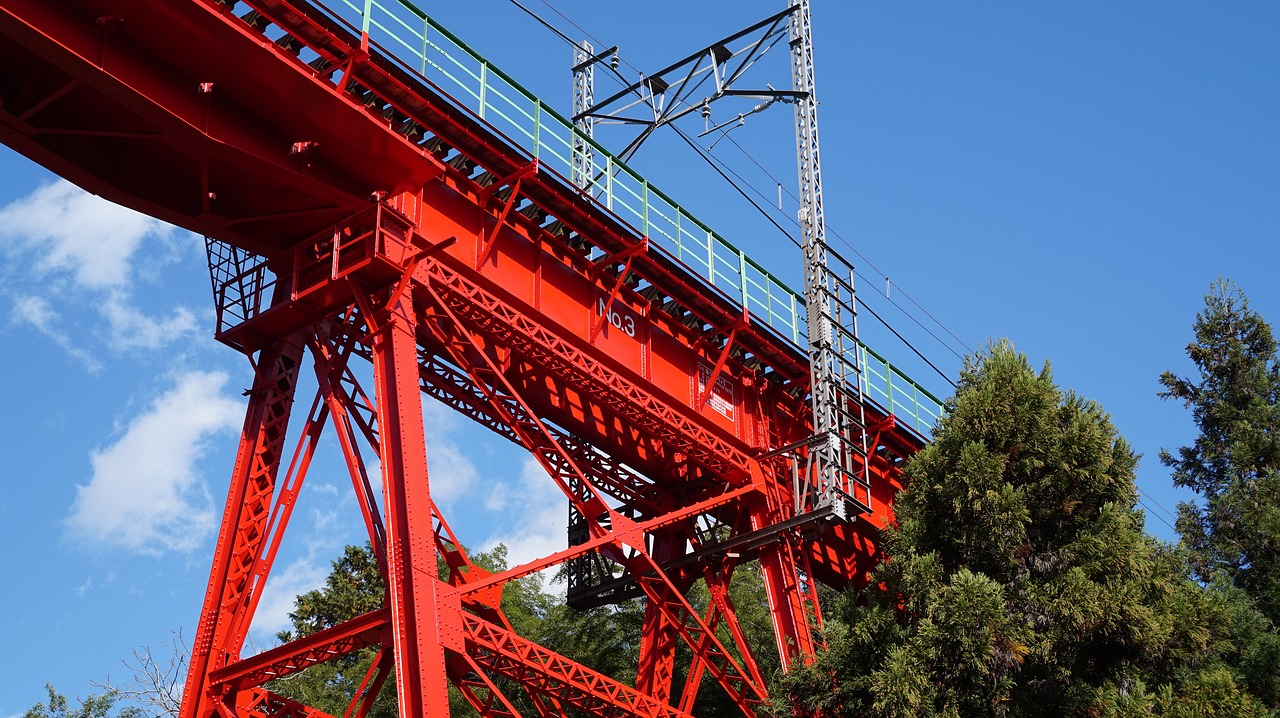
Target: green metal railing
407,35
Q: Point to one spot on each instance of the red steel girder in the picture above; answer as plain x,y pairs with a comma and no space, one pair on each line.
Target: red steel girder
459,391
518,328
261,703
554,676
177,109
419,634
476,686
351,404
240,541
659,637
380,668
295,656
626,540
351,410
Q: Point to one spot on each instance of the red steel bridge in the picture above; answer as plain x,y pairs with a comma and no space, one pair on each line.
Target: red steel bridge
388,210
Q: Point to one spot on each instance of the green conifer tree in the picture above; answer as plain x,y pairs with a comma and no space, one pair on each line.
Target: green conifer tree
1234,463
98,705
1020,580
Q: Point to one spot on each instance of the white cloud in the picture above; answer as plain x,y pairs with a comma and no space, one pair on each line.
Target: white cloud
79,256
145,495
73,231
450,473
538,517
36,313
129,328
323,540
278,595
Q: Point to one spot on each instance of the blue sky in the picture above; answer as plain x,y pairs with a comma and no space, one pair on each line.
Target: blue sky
1071,176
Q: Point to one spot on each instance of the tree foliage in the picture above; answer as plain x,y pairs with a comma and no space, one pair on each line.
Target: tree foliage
353,587
605,639
1234,463
1232,535
98,705
1021,582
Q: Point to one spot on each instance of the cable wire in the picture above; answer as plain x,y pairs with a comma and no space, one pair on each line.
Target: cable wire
1157,503
862,256
544,23
878,318
1153,514
588,35
733,184
716,166
722,164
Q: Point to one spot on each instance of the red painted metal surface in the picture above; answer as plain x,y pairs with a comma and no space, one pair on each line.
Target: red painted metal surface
447,260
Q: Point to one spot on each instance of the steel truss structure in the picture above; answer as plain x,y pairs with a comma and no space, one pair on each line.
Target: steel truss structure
689,85
364,228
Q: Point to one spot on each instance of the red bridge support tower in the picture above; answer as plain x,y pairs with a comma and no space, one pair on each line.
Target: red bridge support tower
366,229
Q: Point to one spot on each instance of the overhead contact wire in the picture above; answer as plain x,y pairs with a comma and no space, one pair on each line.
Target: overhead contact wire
861,256
717,163
764,213
733,184
544,23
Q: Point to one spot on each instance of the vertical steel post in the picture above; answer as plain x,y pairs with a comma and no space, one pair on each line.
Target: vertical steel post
659,637
412,581
829,396
584,83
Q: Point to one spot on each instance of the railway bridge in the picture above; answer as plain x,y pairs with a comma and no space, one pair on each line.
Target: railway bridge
389,211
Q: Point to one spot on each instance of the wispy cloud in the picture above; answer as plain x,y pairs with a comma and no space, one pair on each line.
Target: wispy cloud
37,313
324,539
80,258
145,495
539,517
69,230
451,473
130,328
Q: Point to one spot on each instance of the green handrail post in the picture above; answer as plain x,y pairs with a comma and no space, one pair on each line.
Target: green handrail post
484,86
537,128
888,384
711,258
364,21
742,280
644,204
679,237
426,25
608,181
795,322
